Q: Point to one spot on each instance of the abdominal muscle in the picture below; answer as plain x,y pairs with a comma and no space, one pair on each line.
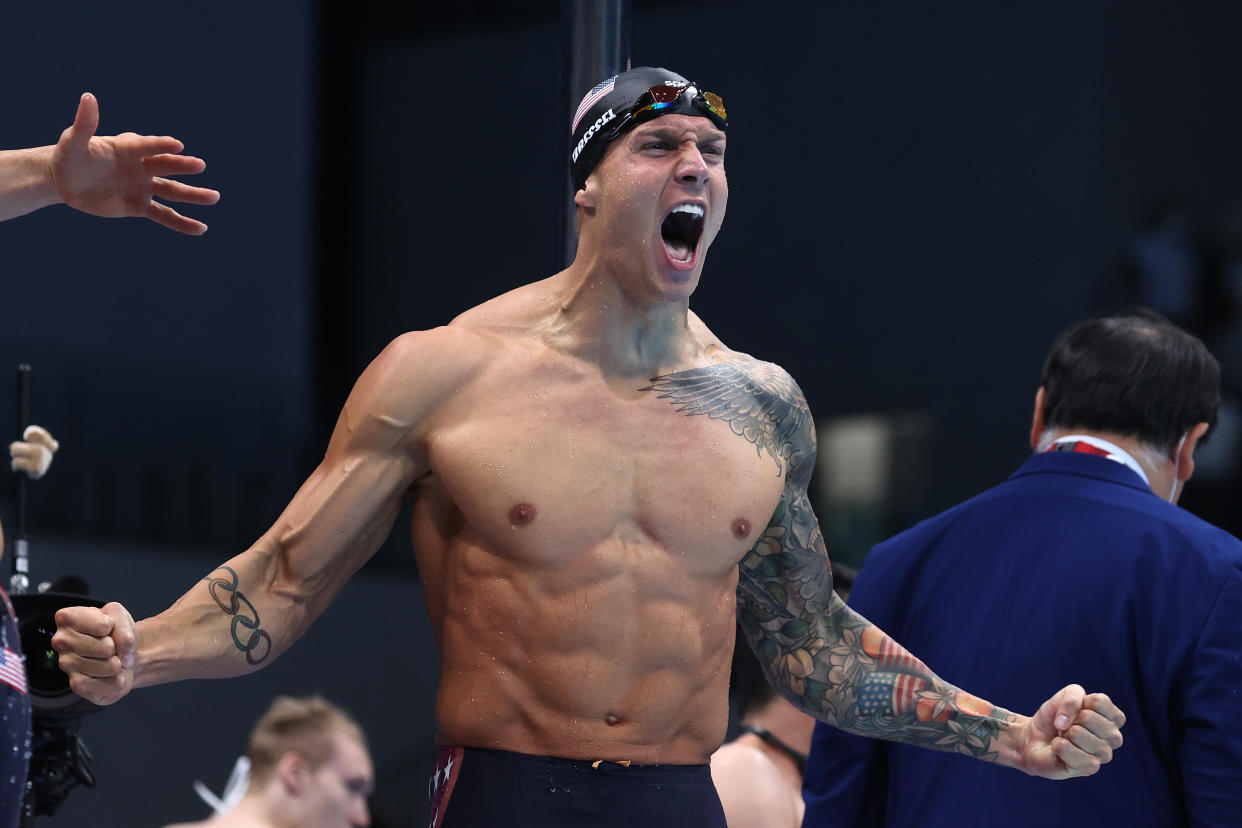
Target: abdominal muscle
618,652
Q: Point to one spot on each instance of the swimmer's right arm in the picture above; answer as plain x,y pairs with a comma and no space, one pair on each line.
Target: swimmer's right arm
248,610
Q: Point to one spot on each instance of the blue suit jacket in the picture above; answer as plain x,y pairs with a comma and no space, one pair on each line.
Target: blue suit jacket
1071,571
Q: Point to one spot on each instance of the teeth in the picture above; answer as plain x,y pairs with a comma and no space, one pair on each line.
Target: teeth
695,210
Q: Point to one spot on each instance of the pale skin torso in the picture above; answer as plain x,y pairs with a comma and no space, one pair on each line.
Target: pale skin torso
579,540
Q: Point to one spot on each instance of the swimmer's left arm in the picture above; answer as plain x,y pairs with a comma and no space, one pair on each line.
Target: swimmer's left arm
839,667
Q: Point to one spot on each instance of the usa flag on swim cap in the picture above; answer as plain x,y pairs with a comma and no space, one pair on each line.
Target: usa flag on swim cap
592,97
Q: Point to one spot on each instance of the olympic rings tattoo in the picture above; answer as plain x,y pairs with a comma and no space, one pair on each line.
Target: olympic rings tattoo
235,603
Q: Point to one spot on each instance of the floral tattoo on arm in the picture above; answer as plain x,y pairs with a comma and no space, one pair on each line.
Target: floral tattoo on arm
822,655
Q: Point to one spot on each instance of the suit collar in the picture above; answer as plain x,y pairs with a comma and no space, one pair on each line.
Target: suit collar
1082,465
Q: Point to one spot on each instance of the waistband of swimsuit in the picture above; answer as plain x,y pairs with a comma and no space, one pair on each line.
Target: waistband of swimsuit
530,762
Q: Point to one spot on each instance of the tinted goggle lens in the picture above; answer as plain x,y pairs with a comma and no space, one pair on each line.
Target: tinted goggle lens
664,96
715,105
657,98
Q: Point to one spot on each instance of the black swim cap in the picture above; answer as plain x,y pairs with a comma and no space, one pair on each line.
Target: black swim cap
608,110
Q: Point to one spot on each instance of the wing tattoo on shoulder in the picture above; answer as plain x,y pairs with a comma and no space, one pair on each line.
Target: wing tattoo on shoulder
759,400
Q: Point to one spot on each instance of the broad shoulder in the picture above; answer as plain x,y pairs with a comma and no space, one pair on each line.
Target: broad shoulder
769,377
759,400
444,356
514,312
412,377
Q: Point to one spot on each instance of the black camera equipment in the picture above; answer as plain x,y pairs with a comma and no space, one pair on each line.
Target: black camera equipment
59,760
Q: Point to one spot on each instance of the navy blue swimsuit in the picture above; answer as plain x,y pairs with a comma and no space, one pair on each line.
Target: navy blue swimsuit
475,787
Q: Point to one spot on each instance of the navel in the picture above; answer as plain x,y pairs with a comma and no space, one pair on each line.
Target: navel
741,527
612,719
521,514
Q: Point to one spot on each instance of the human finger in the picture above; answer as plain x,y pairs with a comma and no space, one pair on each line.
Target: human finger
100,690
168,217
1102,726
85,120
1102,704
30,458
1077,761
148,145
177,191
1066,704
1087,741
86,620
74,664
40,435
124,634
70,642
171,163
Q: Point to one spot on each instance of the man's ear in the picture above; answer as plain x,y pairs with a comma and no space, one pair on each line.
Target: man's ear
1184,457
1037,419
585,197
291,770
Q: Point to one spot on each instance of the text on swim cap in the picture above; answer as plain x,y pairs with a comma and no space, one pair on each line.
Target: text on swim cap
590,133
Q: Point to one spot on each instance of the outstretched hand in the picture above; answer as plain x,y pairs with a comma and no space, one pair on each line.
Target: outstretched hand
1072,734
97,649
118,175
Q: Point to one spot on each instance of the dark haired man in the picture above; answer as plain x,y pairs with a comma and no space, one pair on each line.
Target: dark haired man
579,525
1080,564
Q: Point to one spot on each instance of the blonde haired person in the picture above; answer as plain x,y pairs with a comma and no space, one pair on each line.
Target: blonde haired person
309,768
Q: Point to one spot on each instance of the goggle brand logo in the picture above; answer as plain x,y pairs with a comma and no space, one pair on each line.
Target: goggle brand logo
594,128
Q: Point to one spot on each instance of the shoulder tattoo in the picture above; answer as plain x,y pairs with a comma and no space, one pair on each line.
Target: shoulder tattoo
760,402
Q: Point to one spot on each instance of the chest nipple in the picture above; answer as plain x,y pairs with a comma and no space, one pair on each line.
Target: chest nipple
740,527
521,514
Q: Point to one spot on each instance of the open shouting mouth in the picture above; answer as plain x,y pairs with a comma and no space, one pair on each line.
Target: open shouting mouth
681,230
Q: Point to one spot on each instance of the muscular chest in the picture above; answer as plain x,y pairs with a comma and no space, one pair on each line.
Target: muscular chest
539,469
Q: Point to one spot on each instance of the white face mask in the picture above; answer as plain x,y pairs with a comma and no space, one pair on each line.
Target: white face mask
1177,465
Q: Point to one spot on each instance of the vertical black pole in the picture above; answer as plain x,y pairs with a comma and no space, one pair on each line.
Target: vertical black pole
595,40
21,578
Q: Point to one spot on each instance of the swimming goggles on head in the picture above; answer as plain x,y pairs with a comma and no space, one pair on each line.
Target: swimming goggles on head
664,96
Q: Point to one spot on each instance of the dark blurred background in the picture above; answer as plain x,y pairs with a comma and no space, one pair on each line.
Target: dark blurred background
922,197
